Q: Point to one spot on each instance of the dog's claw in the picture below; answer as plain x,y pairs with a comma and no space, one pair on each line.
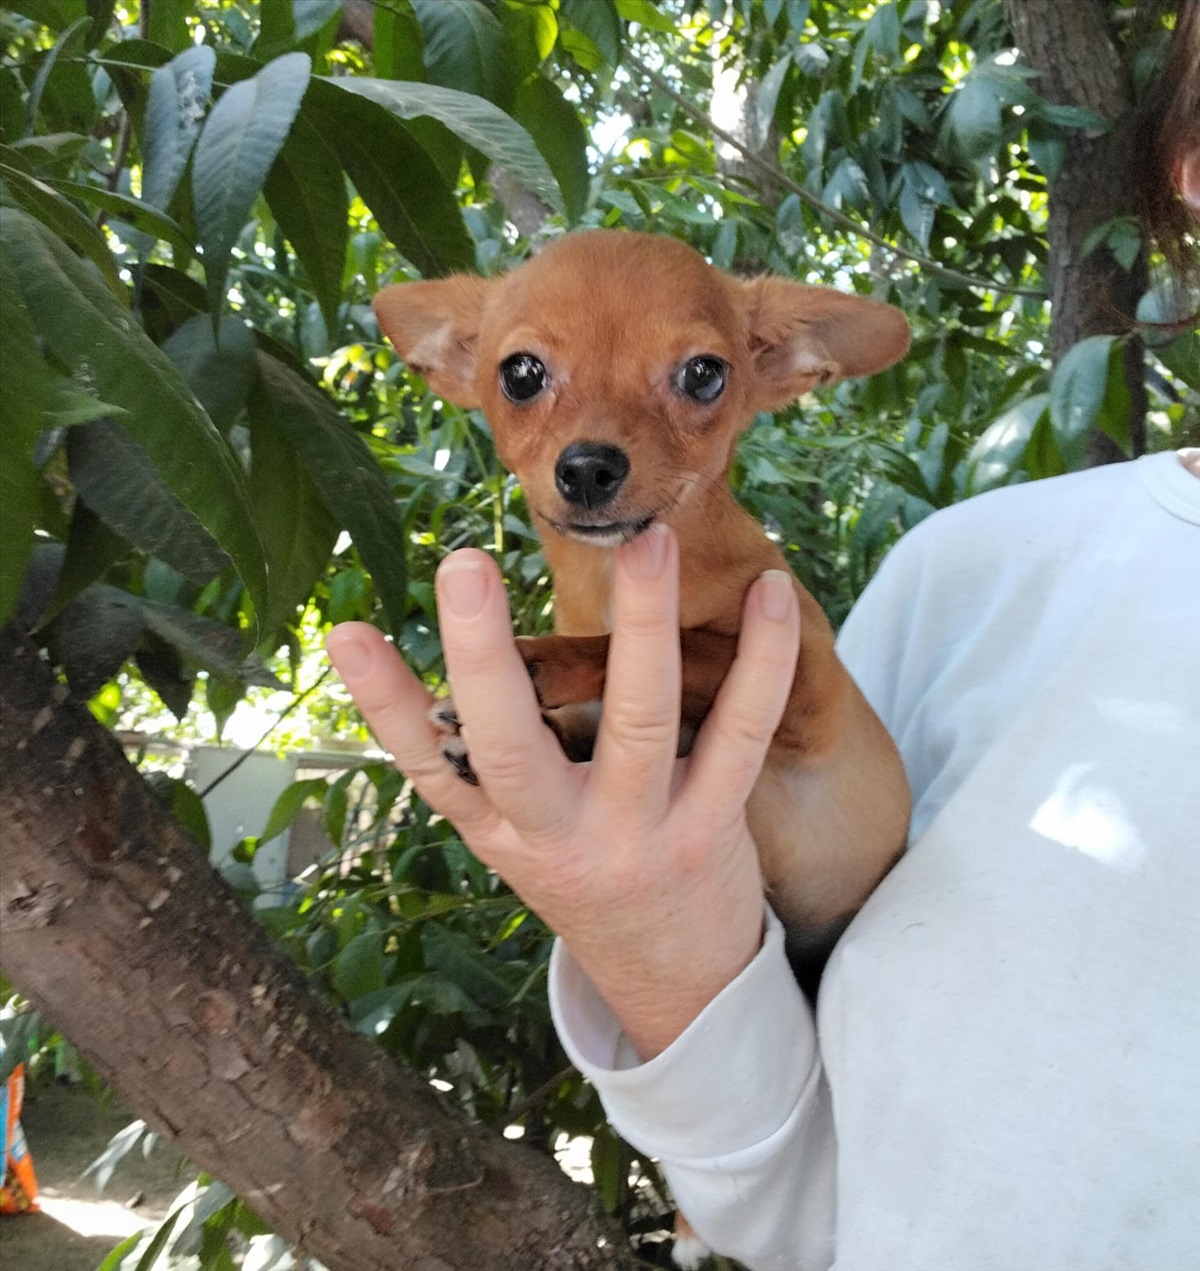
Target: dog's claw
461,764
445,719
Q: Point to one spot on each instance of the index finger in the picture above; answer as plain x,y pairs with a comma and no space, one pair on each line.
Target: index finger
515,756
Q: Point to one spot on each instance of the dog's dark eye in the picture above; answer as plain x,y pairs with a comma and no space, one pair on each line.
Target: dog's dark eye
702,378
522,377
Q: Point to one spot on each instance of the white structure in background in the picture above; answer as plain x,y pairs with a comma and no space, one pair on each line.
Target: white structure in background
240,803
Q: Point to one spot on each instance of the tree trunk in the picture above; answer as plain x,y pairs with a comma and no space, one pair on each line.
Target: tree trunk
119,929
1070,45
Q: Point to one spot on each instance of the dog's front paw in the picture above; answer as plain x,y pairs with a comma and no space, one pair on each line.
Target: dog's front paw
454,749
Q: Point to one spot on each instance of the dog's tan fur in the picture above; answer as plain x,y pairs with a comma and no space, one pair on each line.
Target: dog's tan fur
613,316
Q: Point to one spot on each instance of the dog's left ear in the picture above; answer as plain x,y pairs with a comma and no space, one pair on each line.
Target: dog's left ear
435,328
801,337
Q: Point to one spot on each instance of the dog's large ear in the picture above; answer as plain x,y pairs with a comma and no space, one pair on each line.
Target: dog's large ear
804,336
435,328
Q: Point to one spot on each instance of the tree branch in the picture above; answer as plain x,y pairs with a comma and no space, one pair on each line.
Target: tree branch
776,174
116,925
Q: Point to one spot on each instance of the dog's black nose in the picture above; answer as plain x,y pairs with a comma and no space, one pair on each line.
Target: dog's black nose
589,473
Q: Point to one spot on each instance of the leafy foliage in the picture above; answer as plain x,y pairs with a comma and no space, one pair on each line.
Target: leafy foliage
208,455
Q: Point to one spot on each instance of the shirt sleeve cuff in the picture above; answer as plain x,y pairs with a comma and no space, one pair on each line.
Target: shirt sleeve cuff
729,1081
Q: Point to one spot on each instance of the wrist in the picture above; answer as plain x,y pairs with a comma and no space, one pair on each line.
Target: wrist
656,994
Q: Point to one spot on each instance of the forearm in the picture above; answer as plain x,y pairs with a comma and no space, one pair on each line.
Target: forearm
736,1110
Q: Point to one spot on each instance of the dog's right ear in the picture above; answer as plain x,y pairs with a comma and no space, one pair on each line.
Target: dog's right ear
435,328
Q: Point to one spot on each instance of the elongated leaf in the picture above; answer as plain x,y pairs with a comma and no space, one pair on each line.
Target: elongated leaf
1077,391
559,134
24,397
179,94
168,25
118,481
345,473
92,548
396,178
1000,451
306,191
591,32
295,525
240,141
95,636
399,44
358,968
974,116
467,48
71,39
65,219
89,331
209,644
288,805
221,372
140,215
475,121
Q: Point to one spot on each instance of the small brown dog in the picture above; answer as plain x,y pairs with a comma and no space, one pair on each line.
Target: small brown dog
617,371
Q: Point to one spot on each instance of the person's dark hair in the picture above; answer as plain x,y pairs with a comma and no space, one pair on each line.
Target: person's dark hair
1169,128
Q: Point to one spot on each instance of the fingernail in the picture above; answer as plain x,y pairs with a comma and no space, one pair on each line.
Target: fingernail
351,656
647,554
775,594
462,584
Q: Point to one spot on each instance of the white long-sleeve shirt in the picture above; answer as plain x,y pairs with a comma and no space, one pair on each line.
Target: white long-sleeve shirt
1003,1073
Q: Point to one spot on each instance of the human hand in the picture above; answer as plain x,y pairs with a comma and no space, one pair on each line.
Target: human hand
642,863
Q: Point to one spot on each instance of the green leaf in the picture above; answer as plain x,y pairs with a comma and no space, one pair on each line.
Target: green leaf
591,31
288,806
358,968
309,16
460,958
396,178
608,1168
475,121
645,14
556,128
1077,391
179,95
973,116
293,522
95,636
768,97
92,549
350,481
72,40
168,25
96,339
118,481
24,399
220,373
141,216
65,219
467,48
1000,450
185,804
240,141
306,191
211,645
399,44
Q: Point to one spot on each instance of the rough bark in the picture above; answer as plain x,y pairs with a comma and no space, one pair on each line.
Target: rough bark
115,924
1070,45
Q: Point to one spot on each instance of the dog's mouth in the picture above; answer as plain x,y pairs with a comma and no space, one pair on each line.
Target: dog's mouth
607,534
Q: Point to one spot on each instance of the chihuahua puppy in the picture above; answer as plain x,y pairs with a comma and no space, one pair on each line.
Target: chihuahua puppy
616,371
